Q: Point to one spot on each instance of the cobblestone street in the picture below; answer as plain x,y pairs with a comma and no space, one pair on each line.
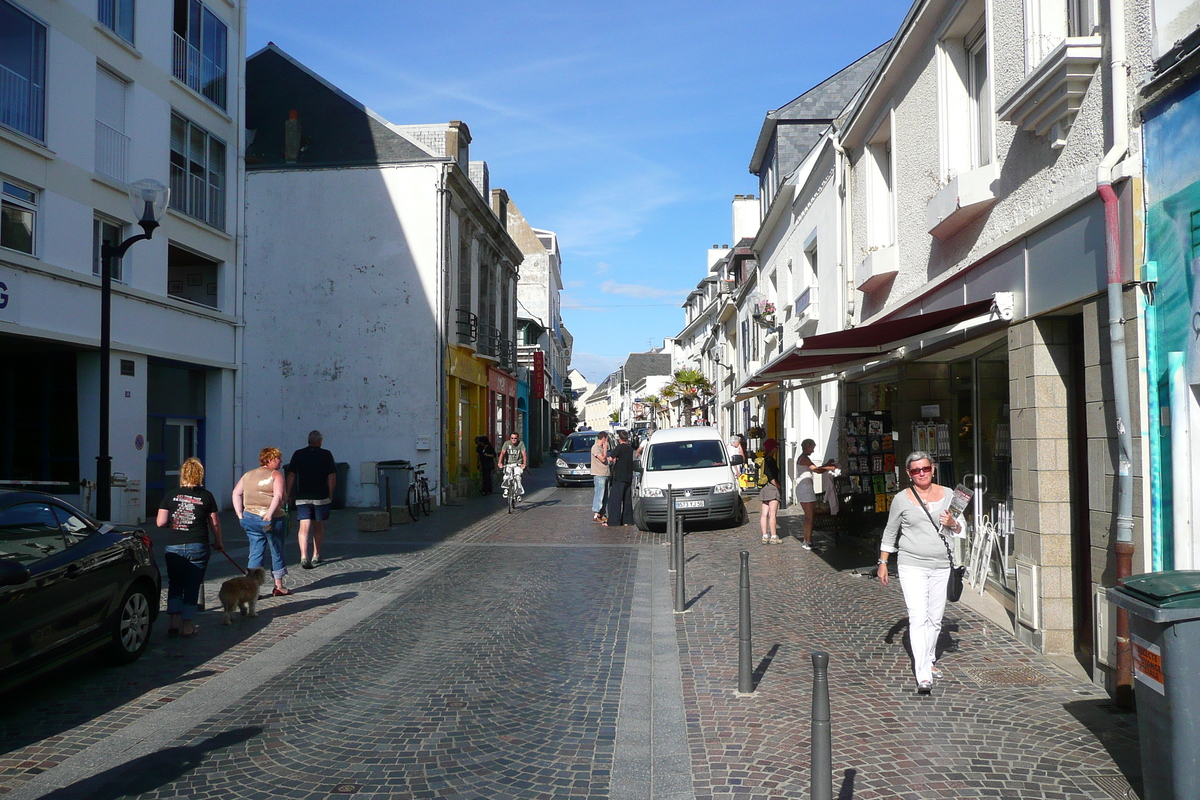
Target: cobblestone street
477,654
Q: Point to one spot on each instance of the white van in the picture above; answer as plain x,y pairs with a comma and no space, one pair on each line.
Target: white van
695,464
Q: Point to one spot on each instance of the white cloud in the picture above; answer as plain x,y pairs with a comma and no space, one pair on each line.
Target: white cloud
641,292
602,268
595,366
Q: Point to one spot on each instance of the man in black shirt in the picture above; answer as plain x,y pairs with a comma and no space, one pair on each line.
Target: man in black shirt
311,477
620,501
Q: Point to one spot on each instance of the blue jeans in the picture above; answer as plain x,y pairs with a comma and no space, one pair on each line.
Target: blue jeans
600,497
263,535
186,564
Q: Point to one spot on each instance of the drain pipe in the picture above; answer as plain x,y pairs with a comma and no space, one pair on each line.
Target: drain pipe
1123,502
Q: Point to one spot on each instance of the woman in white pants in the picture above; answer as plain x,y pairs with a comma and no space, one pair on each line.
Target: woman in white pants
913,532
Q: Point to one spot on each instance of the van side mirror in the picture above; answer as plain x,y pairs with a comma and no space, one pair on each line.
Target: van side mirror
736,460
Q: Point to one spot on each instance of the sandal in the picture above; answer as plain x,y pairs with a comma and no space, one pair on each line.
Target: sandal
281,592
195,629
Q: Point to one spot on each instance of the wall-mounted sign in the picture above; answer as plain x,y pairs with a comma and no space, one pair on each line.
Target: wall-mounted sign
931,411
139,441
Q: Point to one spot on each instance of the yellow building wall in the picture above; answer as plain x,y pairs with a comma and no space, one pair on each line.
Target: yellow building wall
466,398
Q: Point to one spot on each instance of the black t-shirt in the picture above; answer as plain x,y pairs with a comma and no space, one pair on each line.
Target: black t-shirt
312,467
771,469
189,510
622,468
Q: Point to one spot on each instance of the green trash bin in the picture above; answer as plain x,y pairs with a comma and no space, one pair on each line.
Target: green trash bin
1164,627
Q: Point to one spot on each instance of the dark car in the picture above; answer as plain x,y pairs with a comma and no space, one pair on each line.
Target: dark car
70,585
573,463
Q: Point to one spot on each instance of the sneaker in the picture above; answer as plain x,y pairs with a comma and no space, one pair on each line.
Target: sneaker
306,564
775,540
937,673
925,687
316,562
806,545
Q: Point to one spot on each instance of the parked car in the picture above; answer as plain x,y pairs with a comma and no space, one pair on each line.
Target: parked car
573,464
70,585
694,463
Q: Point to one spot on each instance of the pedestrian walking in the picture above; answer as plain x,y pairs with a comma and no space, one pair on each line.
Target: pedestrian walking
311,479
620,500
806,496
514,455
770,495
258,503
601,474
914,531
737,447
190,514
487,462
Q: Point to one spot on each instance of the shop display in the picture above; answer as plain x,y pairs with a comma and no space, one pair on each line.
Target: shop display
871,460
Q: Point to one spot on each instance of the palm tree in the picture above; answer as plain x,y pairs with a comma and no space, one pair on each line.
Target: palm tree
669,395
690,385
654,405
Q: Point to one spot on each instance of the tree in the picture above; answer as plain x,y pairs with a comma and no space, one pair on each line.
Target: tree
654,404
669,397
691,386
615,416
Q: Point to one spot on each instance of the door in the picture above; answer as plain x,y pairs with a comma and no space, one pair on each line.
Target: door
181,441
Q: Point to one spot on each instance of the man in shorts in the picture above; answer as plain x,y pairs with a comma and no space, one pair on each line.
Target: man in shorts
514,452
311,477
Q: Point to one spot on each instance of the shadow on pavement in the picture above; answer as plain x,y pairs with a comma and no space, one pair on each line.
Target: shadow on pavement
1116,729
696,599
847,790
761,670
143,775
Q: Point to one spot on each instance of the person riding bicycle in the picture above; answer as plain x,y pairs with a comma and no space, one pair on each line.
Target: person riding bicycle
514,454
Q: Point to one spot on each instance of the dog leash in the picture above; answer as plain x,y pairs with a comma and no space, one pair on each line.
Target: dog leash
231,561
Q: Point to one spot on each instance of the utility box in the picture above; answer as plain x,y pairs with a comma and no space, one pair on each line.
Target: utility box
396,476
1164,623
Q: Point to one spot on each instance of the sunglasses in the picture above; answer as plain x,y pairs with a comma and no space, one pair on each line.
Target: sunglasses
920,470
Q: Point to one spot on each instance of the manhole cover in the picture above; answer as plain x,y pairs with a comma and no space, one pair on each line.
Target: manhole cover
1006,676
456,704
1115,786
346,788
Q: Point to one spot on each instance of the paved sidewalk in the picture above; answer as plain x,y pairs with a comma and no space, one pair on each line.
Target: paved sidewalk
478,654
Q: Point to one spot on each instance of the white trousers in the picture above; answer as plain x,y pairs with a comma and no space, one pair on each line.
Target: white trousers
925,595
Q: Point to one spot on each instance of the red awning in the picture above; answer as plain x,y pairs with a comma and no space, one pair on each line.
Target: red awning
842,349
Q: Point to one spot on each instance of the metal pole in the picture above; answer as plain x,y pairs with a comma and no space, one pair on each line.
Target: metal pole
680,591
745,648
670,530
821,770
103,457
387,495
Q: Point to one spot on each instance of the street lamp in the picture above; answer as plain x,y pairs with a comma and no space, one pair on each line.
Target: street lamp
149,200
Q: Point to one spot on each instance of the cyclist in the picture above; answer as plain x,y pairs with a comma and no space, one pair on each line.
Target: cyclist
514,454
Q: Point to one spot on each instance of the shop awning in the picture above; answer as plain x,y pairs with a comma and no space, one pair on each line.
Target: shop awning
833,352
754,389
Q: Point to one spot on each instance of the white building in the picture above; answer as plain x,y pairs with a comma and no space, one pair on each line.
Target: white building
96,96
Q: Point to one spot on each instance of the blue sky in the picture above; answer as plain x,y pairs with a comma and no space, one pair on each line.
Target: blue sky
625,127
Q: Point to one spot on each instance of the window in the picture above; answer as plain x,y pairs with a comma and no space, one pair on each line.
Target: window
112,145
105,231
768,178
18,217
30,532
117,16
669,456
979,92
22,72
881,196
965,109
192,277
197,172
1048,22
201,47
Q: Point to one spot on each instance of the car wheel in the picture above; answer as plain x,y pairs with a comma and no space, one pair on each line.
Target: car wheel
131,626
639,519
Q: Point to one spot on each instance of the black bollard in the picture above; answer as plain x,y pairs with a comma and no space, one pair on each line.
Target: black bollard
821,770
670,530
680,591
387,496
745,648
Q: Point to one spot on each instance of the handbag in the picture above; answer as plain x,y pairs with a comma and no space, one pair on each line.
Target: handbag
954,583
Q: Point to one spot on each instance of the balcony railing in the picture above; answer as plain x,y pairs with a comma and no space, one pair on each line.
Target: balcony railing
112,152
467,325
508,353
489,341
199,73
21,104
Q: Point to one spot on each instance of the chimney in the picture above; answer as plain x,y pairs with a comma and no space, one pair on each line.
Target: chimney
500,206
458,139
291,138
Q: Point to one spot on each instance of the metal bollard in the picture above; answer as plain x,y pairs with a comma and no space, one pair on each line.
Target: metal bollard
745,648
670,530
821,769
680,591
387,495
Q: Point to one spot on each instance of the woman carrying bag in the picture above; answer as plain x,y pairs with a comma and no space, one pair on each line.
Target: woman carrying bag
914,531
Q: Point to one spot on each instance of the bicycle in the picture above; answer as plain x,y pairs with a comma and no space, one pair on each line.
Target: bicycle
418,498
510,483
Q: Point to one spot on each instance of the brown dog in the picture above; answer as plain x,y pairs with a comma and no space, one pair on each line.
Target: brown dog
242,594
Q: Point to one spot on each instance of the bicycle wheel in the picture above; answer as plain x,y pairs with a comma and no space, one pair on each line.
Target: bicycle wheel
512,497
414,506
426,500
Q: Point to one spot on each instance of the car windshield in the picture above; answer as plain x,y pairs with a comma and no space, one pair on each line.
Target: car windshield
667,456
579,444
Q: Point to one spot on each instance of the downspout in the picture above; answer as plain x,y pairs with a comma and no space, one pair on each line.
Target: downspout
1123,502
441,354
843,229
239,260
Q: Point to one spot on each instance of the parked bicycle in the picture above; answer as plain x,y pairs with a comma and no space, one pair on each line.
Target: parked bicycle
418,499
511,484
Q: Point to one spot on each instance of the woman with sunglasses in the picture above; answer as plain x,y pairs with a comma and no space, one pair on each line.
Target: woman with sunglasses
913,532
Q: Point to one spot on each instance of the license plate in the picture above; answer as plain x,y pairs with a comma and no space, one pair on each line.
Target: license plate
689,504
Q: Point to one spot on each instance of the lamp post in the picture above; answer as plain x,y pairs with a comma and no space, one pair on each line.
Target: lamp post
149,200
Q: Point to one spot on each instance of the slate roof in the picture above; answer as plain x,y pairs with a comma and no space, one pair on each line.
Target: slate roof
639,365
335,128
798,125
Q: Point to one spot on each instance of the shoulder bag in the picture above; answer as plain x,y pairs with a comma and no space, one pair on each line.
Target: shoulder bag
954,584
